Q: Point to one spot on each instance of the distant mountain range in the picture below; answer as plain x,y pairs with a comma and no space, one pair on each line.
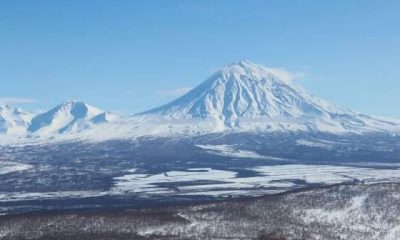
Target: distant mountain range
68,117
239,97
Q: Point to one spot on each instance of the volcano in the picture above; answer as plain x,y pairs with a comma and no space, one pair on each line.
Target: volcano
248,95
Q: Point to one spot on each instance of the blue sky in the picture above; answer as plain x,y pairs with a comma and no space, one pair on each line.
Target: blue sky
130,56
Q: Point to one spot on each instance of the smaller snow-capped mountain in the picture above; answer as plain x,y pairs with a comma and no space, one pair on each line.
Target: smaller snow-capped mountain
13,120
70,116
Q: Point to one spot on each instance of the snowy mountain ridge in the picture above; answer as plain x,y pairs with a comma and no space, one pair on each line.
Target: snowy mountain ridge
240,97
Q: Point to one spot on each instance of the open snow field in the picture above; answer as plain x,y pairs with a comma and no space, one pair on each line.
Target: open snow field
9,167
222,183
268,179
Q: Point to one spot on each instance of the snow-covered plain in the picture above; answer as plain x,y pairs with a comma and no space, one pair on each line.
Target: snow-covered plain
318,144
218,183
9,167
233,152
269,179
22,196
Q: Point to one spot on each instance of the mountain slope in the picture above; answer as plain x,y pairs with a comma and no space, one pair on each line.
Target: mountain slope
13,120
247,95
105,117
68,117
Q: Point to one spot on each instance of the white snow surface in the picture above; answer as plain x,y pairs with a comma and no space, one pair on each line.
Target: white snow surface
9,167
317,144
221,183
234,152
22,196
270,179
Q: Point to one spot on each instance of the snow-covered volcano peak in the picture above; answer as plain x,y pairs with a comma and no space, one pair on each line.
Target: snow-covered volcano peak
243,93
64,117
242,64
243,90
254,71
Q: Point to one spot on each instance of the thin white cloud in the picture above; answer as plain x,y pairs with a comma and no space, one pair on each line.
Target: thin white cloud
17,100
286,75
281,73
177,92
